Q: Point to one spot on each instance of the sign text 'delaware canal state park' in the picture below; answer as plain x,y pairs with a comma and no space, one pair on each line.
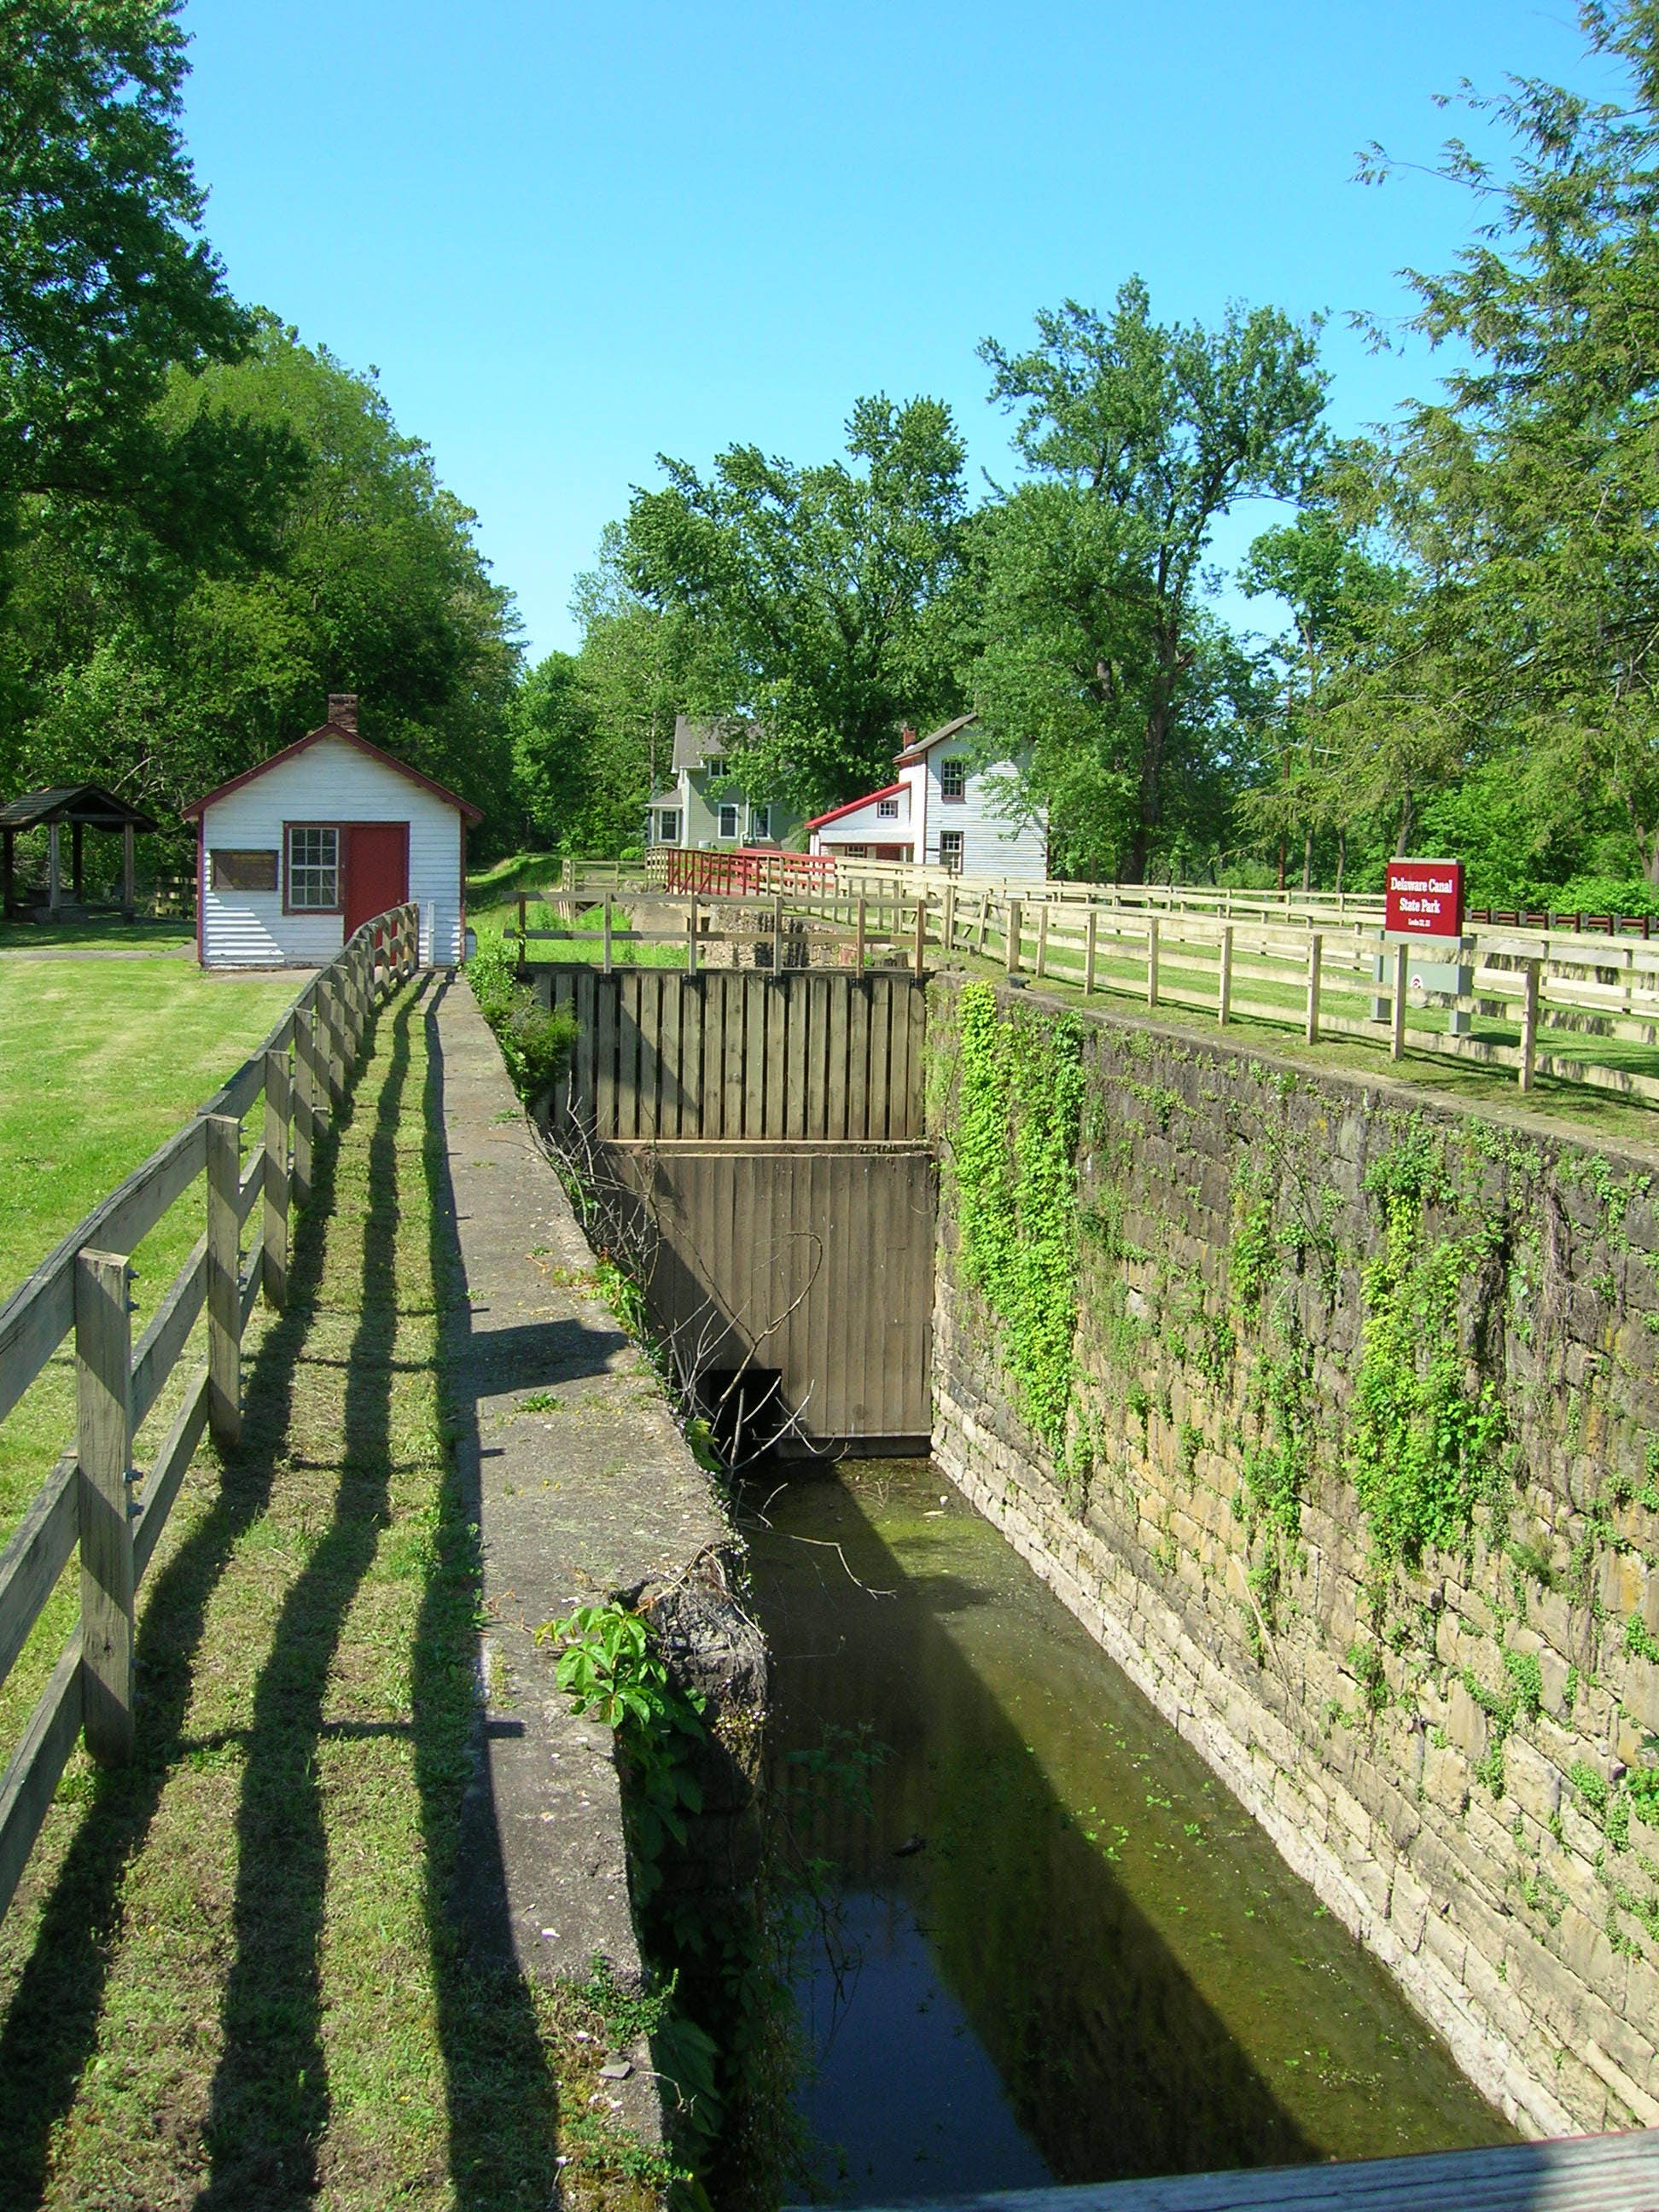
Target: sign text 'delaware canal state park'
1424,898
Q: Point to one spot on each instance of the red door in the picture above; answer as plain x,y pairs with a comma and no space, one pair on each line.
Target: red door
376,870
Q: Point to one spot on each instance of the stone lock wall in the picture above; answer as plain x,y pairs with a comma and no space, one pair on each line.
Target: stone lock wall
1312,1318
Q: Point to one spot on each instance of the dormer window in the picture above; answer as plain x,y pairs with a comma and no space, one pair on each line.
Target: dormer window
714,765
953,778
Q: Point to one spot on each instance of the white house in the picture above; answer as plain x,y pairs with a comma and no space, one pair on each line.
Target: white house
294,855
943,811
703,808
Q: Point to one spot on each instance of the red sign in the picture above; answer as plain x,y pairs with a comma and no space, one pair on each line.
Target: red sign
1425,898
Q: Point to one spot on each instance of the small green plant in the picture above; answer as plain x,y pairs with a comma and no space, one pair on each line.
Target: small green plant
1639,1640
536,1044
611,1670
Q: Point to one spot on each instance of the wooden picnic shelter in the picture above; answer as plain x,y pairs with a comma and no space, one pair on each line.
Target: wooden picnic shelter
83,806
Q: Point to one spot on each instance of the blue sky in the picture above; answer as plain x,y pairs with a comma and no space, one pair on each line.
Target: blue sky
571,238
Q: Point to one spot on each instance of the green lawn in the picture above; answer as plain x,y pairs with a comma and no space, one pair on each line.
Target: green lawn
108,934
231,1977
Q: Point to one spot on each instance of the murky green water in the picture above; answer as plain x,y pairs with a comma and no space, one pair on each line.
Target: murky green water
1057,1948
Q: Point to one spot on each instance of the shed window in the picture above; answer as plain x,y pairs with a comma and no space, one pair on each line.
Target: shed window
953,779
728,820
888,809
314,870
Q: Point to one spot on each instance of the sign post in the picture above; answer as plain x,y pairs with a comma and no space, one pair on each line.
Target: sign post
1423,915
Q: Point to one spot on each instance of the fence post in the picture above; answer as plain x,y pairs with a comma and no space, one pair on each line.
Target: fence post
858,937
303,1101
523,910
691,937
1397,1034
1042,940
103,1440
1015,931
277,1116
607,933
1529,1022
1090,930
984,923
921,931
224,1289
777,929
1315,949
330,1063
947,928
1151,960
1224,1008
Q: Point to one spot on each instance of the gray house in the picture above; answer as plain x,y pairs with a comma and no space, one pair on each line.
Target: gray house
704,808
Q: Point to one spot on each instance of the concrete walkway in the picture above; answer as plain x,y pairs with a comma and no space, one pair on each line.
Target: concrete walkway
582,1486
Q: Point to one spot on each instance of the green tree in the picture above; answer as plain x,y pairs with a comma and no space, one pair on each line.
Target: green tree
814,594
1137,437
373,582
1525,494
106,287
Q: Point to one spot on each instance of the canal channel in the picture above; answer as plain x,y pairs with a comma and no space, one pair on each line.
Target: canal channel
1046,1944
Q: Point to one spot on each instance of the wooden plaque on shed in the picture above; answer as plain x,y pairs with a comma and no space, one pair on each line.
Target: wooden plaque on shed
234,871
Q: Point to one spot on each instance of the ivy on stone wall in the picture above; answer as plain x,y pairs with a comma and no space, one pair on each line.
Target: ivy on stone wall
1426,1442
1019,1113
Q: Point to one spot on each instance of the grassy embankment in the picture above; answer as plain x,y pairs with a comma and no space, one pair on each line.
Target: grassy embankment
492,908
230,1975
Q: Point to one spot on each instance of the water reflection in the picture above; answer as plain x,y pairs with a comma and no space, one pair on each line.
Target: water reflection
1069,1954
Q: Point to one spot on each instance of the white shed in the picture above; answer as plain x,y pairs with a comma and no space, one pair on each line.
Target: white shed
294,855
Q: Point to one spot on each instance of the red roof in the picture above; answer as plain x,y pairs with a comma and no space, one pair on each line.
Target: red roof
887,791
470,813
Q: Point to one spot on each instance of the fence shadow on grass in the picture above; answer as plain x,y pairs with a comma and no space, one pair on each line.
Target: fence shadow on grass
51,2029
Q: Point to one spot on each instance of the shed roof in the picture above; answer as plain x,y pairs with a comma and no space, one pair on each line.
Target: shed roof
87,804
473,815
852,805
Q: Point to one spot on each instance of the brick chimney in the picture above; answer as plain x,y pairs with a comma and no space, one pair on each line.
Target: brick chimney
343,710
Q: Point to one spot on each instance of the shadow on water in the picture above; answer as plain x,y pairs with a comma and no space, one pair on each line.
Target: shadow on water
1071,1955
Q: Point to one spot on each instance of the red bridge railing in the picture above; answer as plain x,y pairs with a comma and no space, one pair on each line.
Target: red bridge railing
749,873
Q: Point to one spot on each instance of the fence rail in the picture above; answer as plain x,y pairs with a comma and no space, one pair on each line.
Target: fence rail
95,1499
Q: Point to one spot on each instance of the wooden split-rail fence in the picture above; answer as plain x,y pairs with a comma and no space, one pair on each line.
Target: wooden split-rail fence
94,1498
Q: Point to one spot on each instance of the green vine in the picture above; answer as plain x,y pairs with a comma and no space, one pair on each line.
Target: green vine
1020,1116
1424,1446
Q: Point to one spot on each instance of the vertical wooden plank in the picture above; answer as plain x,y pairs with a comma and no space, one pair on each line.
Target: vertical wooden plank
1225,981
224,1299
857,1057
1042,940
1397,1023
605,1066
588,1046
732,989
713,984
898,1071
916,1110
755,985
103,1439
648,990
1151,960
858,942
835,1087
818,1054
880,1083
274,1275
1090,932
1530,970
800,1002
670,1074
774,1112
1015,927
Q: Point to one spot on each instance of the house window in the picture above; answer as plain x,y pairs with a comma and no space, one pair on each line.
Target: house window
949,849
668,826
313,871
888,809
714,765
728,819
953,779
760,823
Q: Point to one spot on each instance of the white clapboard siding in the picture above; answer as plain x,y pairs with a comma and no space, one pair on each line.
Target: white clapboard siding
330,781
992,845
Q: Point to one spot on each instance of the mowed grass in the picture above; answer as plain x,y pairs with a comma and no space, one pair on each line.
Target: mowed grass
231,1977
